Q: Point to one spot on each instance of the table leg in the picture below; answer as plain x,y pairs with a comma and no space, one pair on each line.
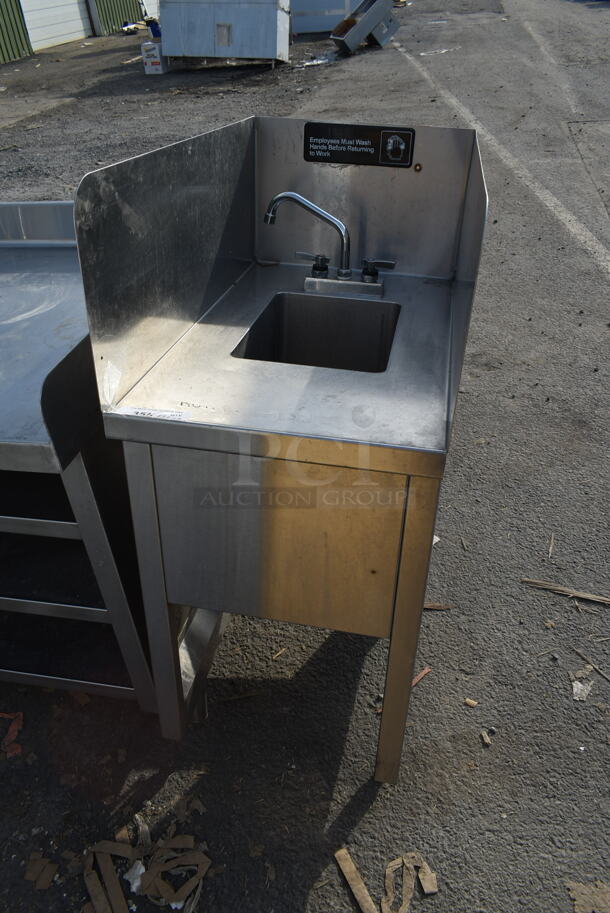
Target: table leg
161,637
422,500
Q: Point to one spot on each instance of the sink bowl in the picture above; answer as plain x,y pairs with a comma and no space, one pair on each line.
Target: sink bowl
349,334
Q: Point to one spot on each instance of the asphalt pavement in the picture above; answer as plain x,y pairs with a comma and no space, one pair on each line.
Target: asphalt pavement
282,765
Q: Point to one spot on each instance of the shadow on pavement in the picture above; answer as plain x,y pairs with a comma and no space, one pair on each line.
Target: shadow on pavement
264,765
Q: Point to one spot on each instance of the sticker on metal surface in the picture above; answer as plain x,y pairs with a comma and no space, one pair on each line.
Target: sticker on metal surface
359,144
170,415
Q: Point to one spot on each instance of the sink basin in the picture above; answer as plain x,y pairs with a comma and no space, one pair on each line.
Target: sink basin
350,334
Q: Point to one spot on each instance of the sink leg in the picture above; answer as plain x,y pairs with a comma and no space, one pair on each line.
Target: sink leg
422,500
162,640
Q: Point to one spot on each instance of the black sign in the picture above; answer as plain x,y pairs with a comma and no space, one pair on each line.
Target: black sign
359,144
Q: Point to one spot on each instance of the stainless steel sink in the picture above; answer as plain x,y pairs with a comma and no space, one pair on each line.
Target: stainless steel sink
350,334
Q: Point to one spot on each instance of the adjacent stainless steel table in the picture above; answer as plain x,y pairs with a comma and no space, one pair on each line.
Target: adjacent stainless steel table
63,502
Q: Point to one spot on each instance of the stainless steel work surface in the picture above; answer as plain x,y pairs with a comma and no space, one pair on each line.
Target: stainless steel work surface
42,318
200,382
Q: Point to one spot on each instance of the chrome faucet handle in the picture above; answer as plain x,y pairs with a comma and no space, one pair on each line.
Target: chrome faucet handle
371,267
320,263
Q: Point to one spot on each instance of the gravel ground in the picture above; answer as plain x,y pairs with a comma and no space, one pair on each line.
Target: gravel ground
284,772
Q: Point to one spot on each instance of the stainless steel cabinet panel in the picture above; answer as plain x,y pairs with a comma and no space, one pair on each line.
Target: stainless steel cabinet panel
280,539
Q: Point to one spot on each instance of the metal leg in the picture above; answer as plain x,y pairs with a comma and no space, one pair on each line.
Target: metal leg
162,639
422,502
82,500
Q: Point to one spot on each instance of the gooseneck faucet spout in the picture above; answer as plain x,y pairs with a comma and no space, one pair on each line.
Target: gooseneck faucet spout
344,271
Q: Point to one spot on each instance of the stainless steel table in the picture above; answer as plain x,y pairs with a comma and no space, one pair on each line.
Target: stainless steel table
285,439
66,549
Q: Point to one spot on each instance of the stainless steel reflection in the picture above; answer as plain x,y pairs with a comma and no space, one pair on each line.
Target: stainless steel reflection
344,271
199,383
342,286
42,317
344,333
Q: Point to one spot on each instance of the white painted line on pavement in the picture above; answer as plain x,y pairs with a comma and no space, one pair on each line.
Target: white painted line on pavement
594,247
559,75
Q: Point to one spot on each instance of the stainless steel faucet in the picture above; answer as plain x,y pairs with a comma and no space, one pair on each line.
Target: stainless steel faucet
344,271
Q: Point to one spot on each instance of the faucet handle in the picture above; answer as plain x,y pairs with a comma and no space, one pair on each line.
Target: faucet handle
320,263
370,268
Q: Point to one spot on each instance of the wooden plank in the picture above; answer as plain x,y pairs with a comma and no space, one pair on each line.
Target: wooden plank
355,882
111,883
45,879
96,892
565,591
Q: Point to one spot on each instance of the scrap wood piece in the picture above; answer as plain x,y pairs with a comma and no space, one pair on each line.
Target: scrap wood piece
355,882
420,675
111,883
8,743
192,904
96,892
592,664
427,878
589,898
114,848
565,591
46,876
414,866
118,848
436,606
154,884
122,835
195,859
36,864
408,885
179,842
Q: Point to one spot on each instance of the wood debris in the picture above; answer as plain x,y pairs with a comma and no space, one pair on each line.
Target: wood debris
470,702
485,738
93,884
177,856
41,871
592,664
420,675
436,607
589,898
565,591
355,882
112,885
122,835
413,866
9,745
551,545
